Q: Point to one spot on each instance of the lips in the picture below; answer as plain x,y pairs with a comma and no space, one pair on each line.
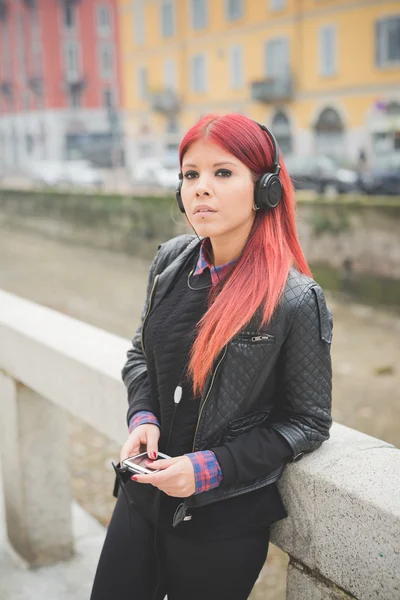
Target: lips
203,208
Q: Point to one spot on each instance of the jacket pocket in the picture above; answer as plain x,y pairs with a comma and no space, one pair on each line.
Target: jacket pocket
244,424
253,338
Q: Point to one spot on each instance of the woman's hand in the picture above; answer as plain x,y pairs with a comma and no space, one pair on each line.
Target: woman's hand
143,438
176,477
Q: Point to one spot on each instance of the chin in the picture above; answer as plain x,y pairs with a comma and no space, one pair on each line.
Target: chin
207,230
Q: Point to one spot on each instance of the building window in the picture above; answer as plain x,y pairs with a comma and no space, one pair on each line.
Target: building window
69,14
104,20
172,125
143,87
236,64
170,74
108,99
199,14
29,143
37,56
281,129
388,41
75,97
5,50
167,18
198,72
171,156
277,58
26,101
145,150
139,22
106,51
21,48
327,50
233,9
277,4
329,134
71,58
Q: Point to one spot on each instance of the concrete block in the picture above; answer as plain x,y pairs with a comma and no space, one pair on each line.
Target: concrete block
301,585
37,496
74,365
344,507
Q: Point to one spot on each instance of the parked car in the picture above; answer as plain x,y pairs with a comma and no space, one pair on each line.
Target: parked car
73,173
320,173
383,175
155,172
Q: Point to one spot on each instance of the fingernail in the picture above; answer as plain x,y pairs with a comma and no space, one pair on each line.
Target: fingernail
134,478
153,455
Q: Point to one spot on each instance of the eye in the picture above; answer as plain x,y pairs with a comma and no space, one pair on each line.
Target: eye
190,174
223,173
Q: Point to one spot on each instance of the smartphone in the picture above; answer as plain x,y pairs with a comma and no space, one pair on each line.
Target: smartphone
136,464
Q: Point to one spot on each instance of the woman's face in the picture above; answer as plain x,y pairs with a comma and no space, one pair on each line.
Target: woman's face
214,178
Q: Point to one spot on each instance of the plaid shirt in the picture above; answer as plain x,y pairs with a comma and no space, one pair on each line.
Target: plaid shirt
203,263
141,418
207,471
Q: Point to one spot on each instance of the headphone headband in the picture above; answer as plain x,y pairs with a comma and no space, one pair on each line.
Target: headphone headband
271,136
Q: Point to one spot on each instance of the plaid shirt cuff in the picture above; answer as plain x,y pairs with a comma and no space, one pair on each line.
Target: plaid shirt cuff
141,418
207,471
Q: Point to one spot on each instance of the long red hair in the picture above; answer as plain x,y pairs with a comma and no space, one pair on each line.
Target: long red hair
259,277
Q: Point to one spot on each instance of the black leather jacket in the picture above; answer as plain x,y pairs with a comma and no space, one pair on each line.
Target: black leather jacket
289,357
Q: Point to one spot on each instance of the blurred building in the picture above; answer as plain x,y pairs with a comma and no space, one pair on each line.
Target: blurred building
59,81
323,74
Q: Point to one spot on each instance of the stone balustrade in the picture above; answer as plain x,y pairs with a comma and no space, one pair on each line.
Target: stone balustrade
343,532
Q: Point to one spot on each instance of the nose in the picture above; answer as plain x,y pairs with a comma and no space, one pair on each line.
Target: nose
202,187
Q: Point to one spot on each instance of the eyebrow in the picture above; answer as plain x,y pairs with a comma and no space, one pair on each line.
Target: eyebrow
218,164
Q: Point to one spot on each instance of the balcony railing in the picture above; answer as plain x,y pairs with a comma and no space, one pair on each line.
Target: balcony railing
166,102
272,89
342,532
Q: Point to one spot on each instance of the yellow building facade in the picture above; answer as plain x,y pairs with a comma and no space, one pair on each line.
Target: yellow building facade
323,74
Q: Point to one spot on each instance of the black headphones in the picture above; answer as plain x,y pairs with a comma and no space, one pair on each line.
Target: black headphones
268,188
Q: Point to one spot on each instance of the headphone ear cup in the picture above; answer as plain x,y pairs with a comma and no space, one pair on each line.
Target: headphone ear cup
268,191
178,196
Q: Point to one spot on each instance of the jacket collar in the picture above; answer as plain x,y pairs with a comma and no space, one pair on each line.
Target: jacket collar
168,275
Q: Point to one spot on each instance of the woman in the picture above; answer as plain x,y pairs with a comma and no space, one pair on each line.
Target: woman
229,374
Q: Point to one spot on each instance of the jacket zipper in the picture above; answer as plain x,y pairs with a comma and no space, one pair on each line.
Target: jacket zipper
182,508
147,312
265,337
208,393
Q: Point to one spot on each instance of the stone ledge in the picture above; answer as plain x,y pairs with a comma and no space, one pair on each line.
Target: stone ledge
344,507
73,364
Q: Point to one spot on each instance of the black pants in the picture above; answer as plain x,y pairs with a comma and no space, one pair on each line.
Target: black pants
148,565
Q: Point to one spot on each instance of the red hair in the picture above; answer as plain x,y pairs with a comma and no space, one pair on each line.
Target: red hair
259,277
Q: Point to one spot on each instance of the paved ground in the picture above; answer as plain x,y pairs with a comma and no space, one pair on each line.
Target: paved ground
107,290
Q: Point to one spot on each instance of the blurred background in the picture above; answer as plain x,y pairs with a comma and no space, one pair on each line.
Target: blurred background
95,96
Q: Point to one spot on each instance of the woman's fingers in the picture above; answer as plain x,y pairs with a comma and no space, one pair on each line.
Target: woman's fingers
144,437
152,436
125,451
175,476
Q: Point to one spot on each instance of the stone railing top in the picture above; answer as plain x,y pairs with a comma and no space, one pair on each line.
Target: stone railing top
73,364
343,500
